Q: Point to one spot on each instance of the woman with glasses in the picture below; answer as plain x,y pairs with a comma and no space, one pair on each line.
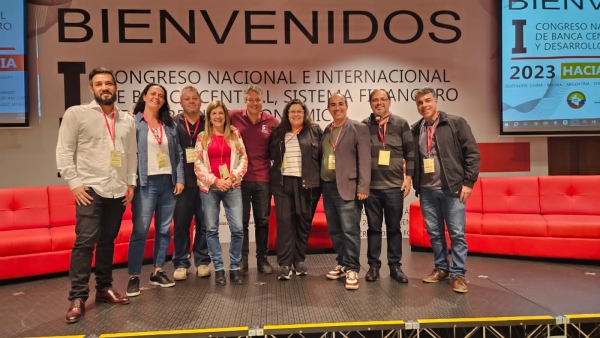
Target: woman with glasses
220,164
295,149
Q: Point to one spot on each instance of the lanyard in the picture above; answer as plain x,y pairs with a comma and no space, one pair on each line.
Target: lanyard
334,145
382,136
110,133
158,140
188,129
298,132
430,132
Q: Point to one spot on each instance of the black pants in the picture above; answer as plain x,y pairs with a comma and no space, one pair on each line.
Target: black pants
97,224
259,195
295,208
189,206
388,203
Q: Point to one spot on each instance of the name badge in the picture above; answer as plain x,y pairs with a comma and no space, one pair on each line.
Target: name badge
265,130
428,165
190,155
331,162
284,162
162,160
384,157
115,159
223,171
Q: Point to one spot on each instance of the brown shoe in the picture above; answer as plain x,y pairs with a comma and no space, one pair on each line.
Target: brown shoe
459,284
435,276
111,296
76,310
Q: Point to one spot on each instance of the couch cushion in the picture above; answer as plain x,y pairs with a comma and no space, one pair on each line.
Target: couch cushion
61,203
27,210
474,223
63,237
570,195
24,242
475,202
573,226
514,225
511,195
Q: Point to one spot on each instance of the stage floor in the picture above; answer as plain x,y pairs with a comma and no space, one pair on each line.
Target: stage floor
500,289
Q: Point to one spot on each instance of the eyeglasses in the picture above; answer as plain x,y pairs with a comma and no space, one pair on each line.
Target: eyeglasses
379,100
296,112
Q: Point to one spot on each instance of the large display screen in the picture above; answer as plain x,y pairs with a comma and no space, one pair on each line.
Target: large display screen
550,67
13,85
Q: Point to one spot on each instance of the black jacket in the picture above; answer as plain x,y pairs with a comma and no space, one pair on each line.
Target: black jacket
458,153
310,147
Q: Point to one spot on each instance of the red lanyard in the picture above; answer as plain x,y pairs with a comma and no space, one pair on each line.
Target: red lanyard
158,140
110,133
334,145
430,132
188,129
298,132
382,136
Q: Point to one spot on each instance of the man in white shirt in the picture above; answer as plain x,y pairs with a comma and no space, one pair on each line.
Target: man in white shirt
97,155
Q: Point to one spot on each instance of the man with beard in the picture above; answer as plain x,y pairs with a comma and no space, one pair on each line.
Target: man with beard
190,123
97,155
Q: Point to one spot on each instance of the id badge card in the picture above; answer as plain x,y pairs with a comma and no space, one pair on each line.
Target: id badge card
190,155
331,162
115,159
162,160
223,171
284,162
428,165
384,157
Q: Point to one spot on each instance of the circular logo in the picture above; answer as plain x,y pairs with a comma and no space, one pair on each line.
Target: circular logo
576,100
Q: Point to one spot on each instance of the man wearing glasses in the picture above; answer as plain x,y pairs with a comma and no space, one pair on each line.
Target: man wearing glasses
391,145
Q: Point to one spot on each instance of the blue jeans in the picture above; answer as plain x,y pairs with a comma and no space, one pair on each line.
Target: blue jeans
343,220
155,198
438,206
211,204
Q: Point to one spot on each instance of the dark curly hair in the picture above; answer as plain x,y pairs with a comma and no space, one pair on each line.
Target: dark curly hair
164,113
285,126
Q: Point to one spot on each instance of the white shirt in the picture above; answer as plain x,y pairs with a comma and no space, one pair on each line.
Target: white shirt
293,156
154,149
84,146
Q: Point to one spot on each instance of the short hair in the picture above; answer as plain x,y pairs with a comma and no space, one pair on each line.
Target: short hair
253,88
342,95
102,70
426,90
378,90
190,89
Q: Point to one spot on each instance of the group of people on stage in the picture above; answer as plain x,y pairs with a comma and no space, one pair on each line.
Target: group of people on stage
182,168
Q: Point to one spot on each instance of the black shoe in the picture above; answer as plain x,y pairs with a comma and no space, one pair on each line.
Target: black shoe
133,287
397,274
236,276
301,269
263,266
161,279
372,274
244,264
220,277
284,273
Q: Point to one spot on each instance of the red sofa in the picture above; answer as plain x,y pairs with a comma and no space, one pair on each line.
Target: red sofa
319,233
37,231
545,216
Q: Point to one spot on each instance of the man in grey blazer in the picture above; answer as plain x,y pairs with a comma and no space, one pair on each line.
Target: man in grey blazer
346,175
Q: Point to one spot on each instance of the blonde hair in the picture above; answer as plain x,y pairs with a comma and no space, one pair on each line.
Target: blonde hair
230,136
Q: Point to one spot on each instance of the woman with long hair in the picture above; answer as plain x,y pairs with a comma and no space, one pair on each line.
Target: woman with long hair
295,148
160,179
220,165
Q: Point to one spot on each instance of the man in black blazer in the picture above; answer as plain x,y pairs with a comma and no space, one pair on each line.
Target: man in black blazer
346,175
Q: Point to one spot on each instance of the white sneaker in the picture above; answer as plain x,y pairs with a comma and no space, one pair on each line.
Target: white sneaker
351,280
180,274
336,272
203,271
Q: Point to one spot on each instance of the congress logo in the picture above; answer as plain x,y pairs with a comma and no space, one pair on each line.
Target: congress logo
576,100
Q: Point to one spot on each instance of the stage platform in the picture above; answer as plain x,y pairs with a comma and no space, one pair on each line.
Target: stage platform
531,295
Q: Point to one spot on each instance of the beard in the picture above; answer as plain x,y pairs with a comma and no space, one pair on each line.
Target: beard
105,102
